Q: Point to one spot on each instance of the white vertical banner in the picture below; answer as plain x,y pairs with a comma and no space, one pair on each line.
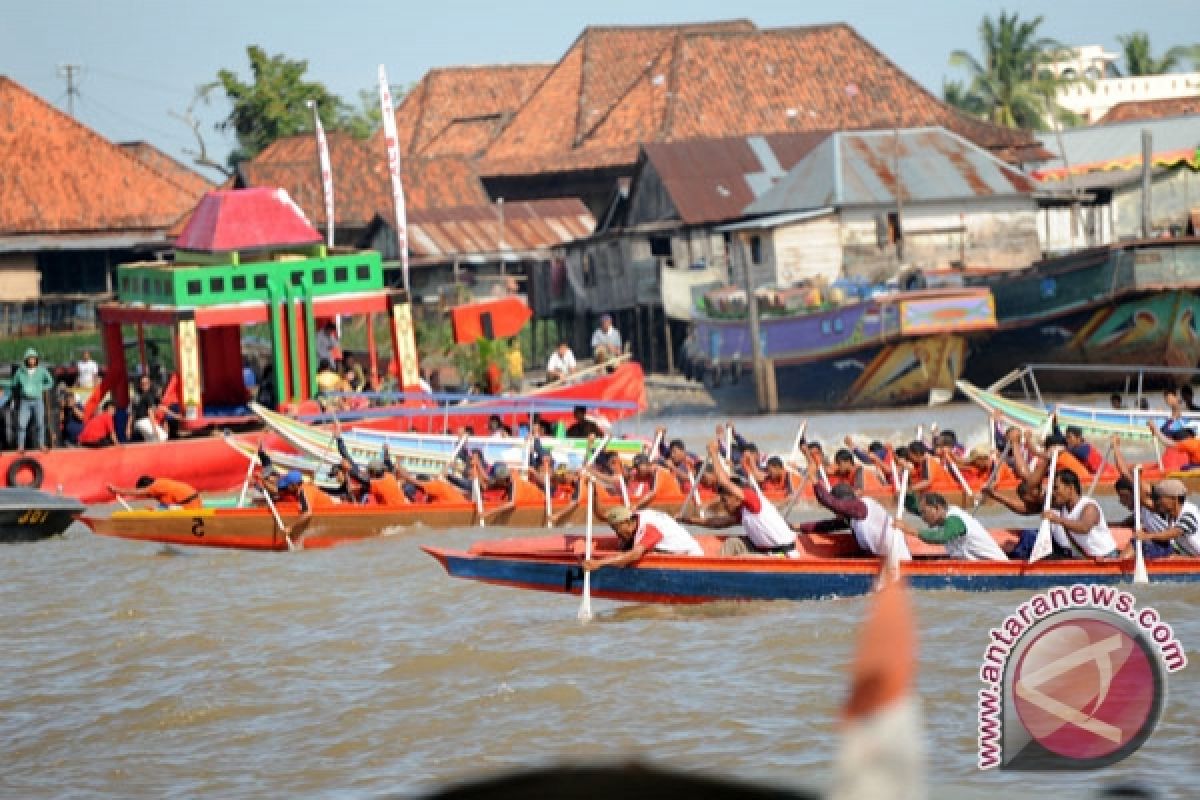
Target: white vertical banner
393,157
326,173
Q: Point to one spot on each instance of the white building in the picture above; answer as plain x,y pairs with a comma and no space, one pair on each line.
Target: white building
1098,89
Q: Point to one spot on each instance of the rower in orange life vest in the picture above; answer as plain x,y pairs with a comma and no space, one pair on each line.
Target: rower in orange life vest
309,498
643,532
1181,448
846,471
767,532
649,483
168,493
501,486
776,481
675,457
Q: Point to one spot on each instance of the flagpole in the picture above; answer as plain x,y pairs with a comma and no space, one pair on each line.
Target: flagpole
393,157
326,172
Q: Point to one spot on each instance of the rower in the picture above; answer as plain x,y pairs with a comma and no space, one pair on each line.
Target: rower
777,480
1181,448
872,524
648,482
928,470
1078,523
681,463
643,532
1182,534
166,492
1078,447
308,497
501,486
963,536
383,489
846,471
497,428
877,454
766,530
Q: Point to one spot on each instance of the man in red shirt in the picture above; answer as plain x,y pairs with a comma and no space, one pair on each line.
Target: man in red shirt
101,429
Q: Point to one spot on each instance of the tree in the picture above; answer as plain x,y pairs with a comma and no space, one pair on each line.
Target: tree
275,103
1009,87
1140,60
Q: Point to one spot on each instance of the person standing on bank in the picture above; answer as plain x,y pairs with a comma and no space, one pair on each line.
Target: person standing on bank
87,370
29,387
606,340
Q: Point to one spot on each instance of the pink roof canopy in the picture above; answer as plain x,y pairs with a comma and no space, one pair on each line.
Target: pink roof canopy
246,219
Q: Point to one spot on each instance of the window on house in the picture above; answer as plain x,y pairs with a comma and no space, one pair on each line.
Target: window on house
341,274
660,247
239,283
318,277
589,270
195,287
260,281
894,233
216,285
297,277
363,272
756,250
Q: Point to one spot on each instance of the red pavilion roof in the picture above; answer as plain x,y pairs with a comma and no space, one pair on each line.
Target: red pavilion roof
246,219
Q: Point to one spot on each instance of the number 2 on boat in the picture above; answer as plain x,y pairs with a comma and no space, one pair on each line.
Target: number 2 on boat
198,527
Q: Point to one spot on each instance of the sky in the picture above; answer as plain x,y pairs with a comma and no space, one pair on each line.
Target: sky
142,59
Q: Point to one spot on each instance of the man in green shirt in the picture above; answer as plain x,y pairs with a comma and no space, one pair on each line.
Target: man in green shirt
29,386
962,535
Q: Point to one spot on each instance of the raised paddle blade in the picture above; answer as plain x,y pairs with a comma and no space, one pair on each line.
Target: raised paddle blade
1043,545
585,604
1140,575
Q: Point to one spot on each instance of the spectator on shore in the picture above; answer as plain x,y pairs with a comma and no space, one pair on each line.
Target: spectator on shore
561,363
29,386
148,415
249,376
101,429
515,361
87,371
70,413
606,340
329,347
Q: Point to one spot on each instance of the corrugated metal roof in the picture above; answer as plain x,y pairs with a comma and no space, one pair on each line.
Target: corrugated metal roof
858,168
714,179
1104,143
435,234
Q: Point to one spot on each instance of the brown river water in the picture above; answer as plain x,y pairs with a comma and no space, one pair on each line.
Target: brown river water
131,670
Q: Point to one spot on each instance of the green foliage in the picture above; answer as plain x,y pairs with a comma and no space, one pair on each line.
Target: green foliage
1140,60
277,102
54,348
1009,87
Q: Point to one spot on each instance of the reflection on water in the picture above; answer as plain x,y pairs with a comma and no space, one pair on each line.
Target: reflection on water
364,670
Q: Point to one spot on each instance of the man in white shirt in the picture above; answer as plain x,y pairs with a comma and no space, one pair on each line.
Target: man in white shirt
88,370
606,340
561,363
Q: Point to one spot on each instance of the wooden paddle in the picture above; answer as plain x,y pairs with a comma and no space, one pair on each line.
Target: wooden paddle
958,476
1043,545
549,496
624,488
585,603
121,500
1099,470
1140,575
799,438
246,483
695,485
477,491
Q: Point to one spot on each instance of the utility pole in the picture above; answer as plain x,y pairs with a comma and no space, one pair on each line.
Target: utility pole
70,72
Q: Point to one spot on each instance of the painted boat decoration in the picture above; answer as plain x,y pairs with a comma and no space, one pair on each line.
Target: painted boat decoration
1095,421
889,350
1126,304
27,515
829,567
425,454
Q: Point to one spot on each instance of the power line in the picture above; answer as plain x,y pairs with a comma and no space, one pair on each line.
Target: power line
70,71
138,81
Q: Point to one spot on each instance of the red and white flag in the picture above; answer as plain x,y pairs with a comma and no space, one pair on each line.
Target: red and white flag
326,173
393,157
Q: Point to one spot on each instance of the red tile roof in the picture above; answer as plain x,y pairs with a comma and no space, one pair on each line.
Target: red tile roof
458,110
1151,109
59,176
361,185
618,87
246,219
182,176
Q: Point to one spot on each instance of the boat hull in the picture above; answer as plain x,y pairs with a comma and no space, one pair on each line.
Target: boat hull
1132,305
28,516
680,579
884,352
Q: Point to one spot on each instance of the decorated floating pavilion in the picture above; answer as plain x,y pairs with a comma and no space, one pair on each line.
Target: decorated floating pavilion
245,257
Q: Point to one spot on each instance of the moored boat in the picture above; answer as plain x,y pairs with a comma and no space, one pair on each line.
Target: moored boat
831,566
893,349
27,515
1132,303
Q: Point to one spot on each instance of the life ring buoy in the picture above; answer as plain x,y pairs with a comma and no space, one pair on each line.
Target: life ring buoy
21,465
